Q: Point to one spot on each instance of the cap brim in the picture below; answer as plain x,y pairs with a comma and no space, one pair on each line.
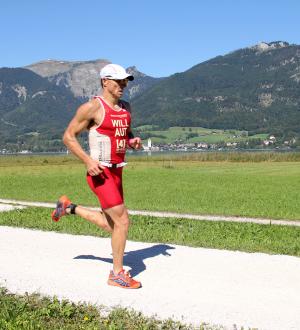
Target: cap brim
130,77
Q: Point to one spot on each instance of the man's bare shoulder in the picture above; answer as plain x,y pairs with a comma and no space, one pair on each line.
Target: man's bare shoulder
89,109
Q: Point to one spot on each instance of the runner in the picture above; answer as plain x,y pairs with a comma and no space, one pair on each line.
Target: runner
108,119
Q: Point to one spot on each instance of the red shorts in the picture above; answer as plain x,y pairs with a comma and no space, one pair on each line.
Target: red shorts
108,187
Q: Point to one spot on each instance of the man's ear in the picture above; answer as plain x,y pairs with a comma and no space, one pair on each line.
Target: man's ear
104,82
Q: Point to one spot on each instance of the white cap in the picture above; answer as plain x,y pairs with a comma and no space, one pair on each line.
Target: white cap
115,71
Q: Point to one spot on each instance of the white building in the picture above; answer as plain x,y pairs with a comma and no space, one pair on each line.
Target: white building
149,145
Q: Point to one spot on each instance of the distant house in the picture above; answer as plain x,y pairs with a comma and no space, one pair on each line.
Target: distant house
270,140
202,145
231,144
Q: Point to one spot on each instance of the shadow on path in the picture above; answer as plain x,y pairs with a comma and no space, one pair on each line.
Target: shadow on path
135,259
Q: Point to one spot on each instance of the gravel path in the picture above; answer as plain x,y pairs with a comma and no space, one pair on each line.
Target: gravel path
190,284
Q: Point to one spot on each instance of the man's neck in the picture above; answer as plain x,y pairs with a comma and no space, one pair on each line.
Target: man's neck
112,101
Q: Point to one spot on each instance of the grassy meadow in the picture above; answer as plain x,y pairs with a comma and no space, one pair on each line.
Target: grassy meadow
255,186
252,187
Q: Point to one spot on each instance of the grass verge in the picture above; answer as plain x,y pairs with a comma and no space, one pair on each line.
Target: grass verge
246,237
33,312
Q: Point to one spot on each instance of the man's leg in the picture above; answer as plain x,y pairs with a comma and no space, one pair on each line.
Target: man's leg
119,215
65,207
96,217
119,277
114,220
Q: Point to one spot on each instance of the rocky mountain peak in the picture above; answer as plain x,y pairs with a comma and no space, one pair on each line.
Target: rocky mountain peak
82,77
135,72
265,46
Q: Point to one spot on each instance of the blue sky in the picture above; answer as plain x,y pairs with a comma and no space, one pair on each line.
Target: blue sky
159,37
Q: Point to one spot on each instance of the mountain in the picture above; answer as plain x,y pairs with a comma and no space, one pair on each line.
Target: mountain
140,84
82,77
255,89
37,102
32,108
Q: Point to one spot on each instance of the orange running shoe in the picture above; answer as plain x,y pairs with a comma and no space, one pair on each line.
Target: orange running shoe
123,280
61,206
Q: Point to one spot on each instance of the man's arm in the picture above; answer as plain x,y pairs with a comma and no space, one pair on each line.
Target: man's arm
134,142
80,122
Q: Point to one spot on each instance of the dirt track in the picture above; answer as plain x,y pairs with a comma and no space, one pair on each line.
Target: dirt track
190,284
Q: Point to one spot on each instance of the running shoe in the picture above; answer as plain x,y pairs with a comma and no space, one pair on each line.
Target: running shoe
61,206
123,280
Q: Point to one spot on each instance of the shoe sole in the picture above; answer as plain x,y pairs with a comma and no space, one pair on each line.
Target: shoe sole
63,200
113,283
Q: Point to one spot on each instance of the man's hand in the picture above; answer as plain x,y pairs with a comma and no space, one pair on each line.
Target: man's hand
135,143
94,167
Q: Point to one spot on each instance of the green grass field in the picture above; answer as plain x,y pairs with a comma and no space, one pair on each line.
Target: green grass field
257,189
253,189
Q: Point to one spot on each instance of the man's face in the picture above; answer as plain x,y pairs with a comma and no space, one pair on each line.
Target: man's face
115,87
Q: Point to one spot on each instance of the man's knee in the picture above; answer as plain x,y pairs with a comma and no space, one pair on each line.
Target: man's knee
124,221
119,215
